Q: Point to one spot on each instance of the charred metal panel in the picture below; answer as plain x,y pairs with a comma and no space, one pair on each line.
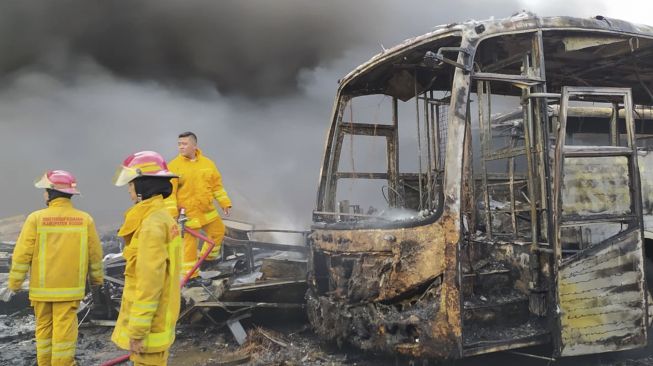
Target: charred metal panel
601,294
396,288
574,43
391,299
600,290
596,186
646,175
388,262
354,241
401,327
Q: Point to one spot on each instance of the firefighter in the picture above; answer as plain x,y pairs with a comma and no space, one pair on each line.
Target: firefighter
59,246
151,297
198,185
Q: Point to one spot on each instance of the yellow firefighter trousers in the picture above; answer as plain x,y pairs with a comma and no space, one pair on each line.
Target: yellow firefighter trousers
56,332
215,231
150,359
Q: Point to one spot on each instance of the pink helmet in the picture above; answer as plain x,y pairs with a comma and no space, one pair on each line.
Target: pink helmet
59,180
140,164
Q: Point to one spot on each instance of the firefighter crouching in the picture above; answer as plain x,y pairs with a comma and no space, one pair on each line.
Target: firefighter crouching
151,297
59,245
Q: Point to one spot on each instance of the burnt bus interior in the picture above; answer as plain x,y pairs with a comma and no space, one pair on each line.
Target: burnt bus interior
543,164
388,152
540,181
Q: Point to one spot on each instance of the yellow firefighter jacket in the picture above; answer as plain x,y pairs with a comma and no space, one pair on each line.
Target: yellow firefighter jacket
151,298
61,246
198,185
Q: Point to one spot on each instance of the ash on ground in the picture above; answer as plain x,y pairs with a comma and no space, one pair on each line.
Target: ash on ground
287,344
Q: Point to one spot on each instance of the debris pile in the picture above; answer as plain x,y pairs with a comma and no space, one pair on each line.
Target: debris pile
255,278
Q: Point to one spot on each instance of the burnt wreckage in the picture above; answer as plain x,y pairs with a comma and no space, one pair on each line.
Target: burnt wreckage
520,210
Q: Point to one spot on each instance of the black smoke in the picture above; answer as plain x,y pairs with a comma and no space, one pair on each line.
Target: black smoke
255,48
84,83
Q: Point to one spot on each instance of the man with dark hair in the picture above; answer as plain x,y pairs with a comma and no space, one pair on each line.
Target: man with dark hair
198,185
190,135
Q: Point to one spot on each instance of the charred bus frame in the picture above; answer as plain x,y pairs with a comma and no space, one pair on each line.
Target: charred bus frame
527,227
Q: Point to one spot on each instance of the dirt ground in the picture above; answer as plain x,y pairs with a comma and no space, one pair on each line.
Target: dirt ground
279,344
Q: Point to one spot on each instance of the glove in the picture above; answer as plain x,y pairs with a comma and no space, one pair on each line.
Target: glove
6,294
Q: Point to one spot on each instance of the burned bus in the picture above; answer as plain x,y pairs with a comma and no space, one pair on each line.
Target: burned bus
489,186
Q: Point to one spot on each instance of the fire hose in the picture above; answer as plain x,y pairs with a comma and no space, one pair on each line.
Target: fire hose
124,358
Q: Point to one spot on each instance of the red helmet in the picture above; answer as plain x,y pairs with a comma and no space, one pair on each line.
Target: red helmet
59,180
140,164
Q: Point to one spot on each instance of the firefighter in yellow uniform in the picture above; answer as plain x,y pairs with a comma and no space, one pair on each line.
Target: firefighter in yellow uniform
60,245
151,297
198,185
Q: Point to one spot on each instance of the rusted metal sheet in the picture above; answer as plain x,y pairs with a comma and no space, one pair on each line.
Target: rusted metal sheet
574,43
388,261
595,186
600,289
646,175
602,298
353,241
354,309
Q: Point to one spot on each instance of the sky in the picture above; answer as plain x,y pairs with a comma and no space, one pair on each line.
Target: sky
84,83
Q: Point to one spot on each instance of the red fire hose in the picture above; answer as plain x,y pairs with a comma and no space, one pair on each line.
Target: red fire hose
124,358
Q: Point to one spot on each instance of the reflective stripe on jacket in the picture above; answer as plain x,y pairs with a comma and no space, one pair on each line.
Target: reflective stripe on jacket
151,298
61,247
198,185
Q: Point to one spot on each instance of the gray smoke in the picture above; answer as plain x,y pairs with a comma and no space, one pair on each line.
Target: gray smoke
252,47
83,83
